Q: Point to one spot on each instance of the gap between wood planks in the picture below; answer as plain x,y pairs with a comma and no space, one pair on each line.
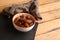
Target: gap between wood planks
48,7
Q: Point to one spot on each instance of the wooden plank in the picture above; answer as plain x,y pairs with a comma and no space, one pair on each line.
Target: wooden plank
7,3
43,2
48,16
55,35
48,7
44,27
54,17
50,20
43,8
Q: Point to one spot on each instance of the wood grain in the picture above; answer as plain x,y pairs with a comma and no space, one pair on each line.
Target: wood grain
55,35
51,20
43,2
51,15
44,27
47,18
7,2
48,7
42,8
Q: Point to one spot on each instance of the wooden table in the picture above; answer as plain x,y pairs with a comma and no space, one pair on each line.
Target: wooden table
49,28
6,3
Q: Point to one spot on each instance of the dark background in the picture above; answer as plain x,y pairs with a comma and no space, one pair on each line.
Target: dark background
8,32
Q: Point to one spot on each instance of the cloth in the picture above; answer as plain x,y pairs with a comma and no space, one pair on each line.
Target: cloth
29,7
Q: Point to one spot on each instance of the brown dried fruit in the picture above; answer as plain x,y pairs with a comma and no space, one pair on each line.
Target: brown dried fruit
24,21
26,25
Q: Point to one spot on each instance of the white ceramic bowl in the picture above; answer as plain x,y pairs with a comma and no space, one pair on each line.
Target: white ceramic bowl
22,28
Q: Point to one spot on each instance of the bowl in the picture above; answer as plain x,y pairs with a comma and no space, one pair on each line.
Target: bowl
22,29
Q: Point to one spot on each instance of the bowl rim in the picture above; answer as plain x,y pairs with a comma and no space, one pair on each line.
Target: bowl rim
22,14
